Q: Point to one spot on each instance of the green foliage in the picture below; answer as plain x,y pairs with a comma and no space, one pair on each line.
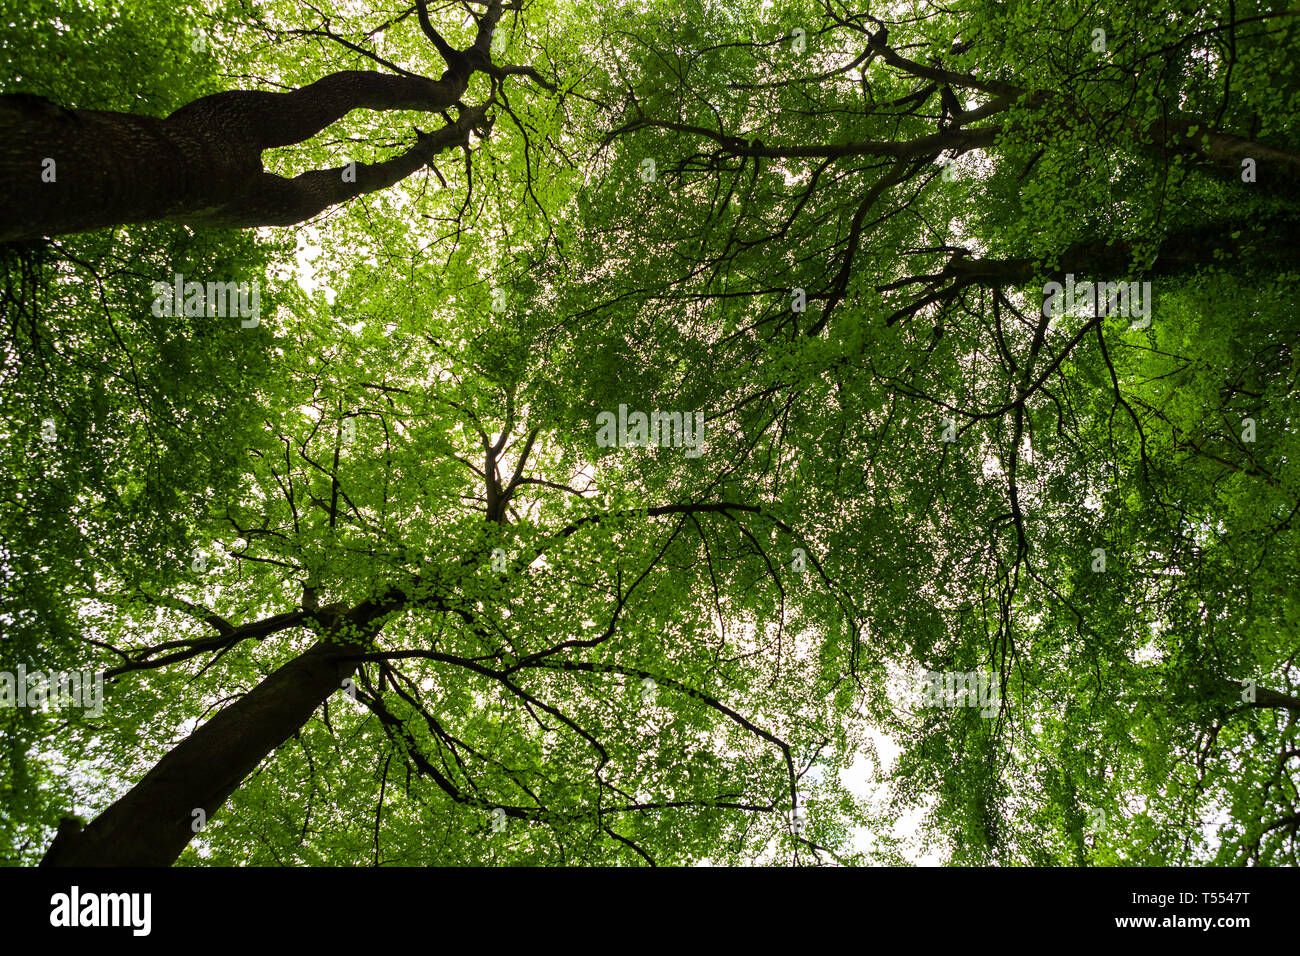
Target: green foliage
414,426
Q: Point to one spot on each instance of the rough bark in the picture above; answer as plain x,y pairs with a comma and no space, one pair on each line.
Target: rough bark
153,822
202,164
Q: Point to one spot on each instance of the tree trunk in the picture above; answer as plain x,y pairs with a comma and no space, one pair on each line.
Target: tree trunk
1263,245
154,821
65,171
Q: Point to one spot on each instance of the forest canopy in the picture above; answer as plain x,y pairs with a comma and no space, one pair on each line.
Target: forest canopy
651,433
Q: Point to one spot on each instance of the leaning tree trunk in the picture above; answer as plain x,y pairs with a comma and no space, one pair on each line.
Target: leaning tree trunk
154,821
65,171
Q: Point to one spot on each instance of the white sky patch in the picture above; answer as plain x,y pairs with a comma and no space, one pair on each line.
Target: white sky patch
871,785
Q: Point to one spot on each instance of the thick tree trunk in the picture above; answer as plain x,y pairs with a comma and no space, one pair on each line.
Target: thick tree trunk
153,822
65,171
1264,245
